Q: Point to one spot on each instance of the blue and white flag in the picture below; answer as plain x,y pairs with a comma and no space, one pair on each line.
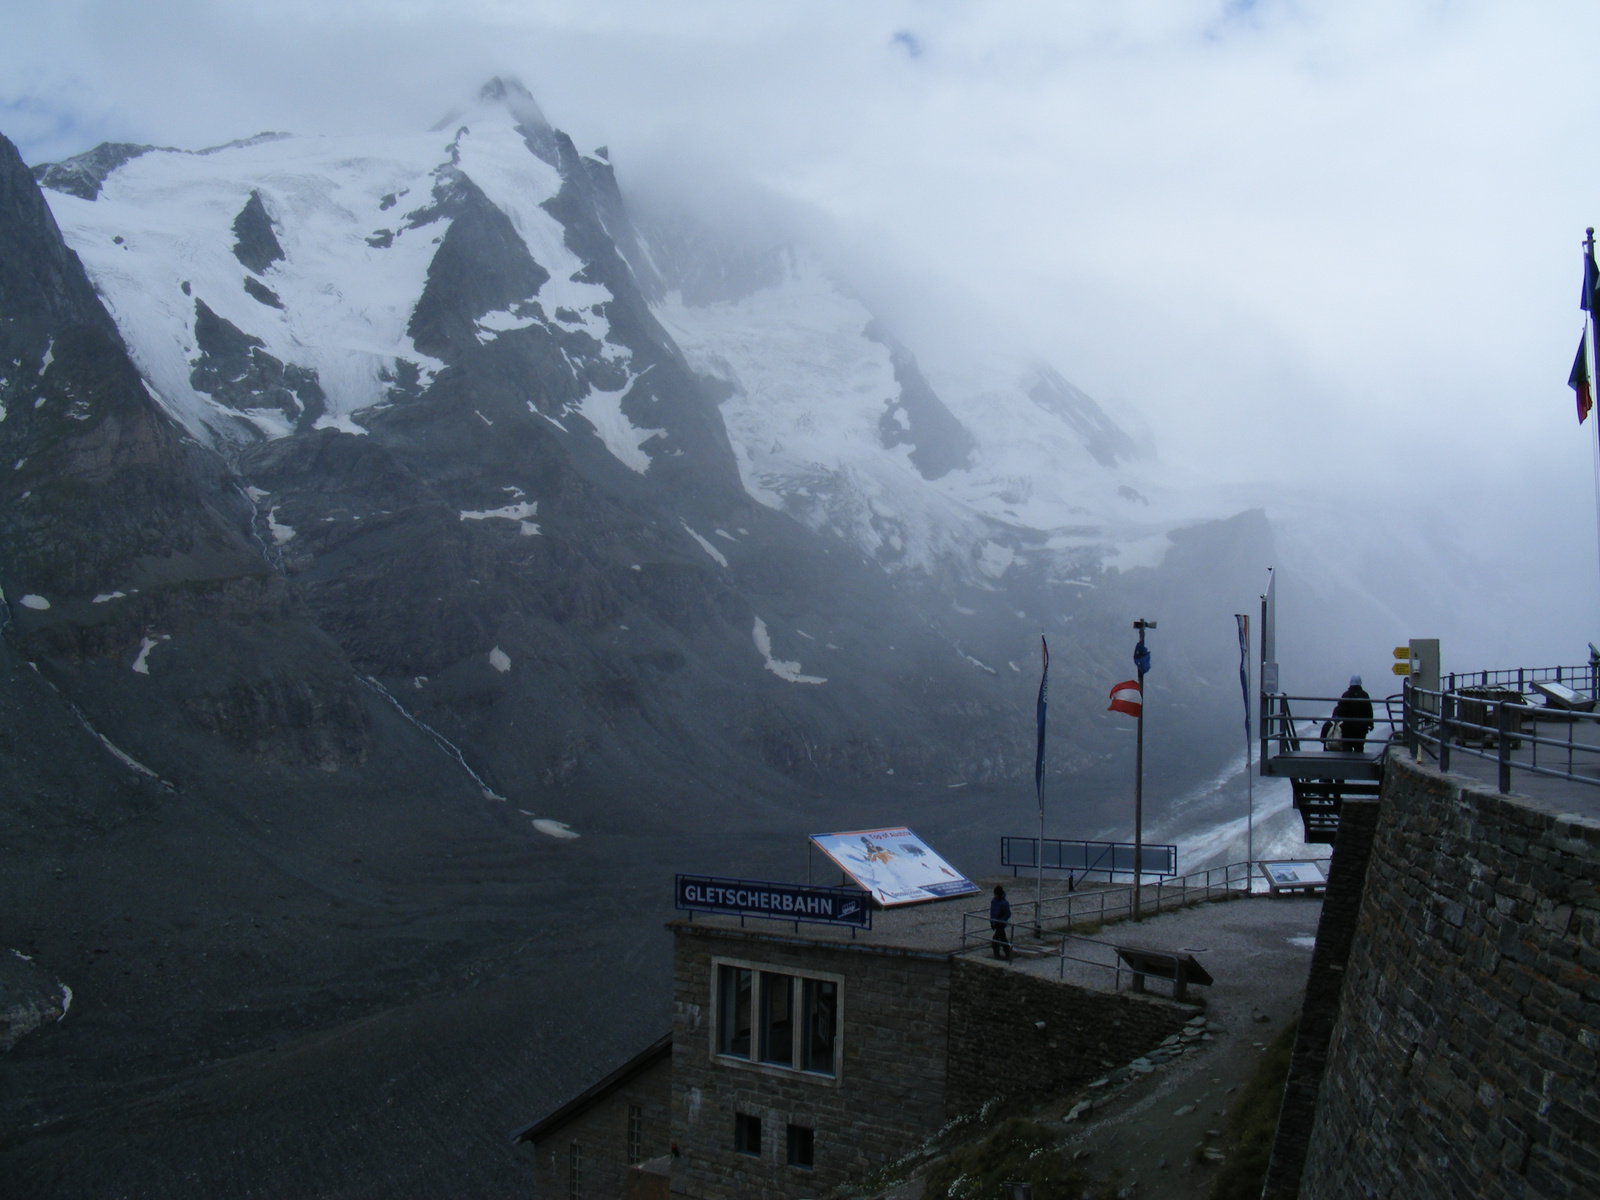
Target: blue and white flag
1044,691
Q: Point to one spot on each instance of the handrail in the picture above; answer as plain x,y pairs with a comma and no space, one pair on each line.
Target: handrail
1100,906
1487,715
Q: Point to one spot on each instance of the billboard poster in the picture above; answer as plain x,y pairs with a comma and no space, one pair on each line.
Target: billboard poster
895,865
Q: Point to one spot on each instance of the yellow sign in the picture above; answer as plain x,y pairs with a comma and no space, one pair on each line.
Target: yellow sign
1403,653
1401,668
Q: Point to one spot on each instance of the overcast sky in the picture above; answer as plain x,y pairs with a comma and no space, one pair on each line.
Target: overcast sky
1303,242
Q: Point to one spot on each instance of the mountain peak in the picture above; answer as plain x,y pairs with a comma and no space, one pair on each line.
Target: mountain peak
506,92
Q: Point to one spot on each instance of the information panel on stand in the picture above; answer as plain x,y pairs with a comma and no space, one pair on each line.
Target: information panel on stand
777,901
895,865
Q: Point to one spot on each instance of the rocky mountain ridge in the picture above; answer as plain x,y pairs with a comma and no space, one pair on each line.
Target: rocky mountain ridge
388,612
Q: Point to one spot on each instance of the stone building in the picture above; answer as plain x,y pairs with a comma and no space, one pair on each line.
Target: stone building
803,1058
587,1146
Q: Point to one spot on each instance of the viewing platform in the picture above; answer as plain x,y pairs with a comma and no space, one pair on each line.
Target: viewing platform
1075,934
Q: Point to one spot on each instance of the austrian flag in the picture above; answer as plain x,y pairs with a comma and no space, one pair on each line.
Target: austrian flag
1126,698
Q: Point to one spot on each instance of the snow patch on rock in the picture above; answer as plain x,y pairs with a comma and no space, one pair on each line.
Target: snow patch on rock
280,533
499,660
783,670
35,602
705,545
511,512
622,437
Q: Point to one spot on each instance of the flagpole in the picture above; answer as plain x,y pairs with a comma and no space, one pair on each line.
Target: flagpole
1249,778
1038,782
1588,257
1138,770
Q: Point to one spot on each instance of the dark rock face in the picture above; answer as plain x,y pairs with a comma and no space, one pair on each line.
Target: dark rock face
234,368
1108,443
918,418
84,174
257,245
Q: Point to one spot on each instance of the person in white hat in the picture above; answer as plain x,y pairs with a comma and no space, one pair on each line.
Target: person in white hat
1354,714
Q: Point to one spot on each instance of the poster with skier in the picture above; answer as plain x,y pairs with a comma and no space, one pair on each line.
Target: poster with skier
895,865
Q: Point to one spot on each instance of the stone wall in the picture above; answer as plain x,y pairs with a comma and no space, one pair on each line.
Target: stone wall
888,1096
601,1135
1319,1012
1464,1060
997,1049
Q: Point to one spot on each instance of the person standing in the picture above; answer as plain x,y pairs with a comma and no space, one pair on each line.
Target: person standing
1354,713
999,920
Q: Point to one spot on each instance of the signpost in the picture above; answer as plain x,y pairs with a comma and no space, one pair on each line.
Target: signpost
795,902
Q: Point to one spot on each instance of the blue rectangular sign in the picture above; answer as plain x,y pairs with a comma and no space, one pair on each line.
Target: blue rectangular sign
779,901
1079,856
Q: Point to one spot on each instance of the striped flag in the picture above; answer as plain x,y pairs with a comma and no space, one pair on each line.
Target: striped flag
1127,698
1044,692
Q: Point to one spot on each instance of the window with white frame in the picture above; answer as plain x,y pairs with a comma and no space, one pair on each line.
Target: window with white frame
777,1018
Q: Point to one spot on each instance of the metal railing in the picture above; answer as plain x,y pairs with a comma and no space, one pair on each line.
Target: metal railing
1083,857
1279,722
1101,906
1488,715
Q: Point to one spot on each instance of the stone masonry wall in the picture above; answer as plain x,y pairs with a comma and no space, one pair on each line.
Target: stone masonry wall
1336,932
1464,1060
601,1134
996,1048
889,1095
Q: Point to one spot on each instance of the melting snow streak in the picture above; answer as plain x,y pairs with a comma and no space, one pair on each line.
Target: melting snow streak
706,546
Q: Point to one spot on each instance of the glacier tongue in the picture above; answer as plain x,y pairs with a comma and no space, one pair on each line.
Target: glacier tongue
817,419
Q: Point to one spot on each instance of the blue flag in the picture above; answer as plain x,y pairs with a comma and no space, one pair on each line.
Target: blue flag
1141,658
1591,281
1044,693
1244,666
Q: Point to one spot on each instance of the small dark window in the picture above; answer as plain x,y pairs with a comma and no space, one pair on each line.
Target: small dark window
635,1134
777,1019
574,1172
802,1147
733,1015
747,1134
821,1016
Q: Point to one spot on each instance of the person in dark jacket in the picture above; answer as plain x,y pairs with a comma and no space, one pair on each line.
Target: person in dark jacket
1354,714
999,919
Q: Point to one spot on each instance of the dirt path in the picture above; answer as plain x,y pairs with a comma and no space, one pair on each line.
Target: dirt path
1154,1128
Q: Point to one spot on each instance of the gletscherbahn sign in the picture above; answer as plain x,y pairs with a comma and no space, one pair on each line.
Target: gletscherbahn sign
777,901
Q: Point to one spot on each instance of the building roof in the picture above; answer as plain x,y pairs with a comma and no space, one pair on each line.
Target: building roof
637,1065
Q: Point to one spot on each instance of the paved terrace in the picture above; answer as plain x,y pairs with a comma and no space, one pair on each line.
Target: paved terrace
1242,941
1552,794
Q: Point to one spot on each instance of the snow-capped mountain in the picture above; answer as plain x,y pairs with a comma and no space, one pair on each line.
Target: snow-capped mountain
399,544
471,412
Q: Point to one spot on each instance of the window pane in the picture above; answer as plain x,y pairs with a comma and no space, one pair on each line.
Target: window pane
747,1134
821,1018
733,1017
802,1146
777,1019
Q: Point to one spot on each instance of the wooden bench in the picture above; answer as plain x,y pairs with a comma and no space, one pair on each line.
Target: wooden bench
1182,969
